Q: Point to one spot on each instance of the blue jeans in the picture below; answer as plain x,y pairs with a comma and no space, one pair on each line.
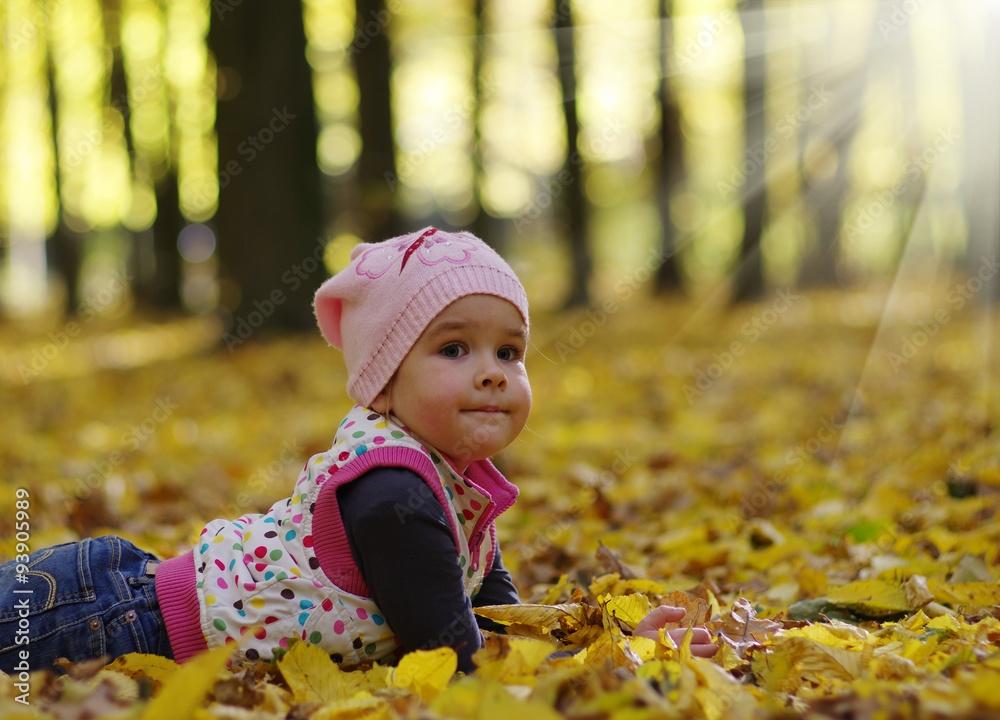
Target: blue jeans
81,600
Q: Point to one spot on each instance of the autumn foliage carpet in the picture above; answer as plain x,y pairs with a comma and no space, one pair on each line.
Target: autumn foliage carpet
815,477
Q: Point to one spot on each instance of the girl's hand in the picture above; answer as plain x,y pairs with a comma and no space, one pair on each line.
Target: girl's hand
649,627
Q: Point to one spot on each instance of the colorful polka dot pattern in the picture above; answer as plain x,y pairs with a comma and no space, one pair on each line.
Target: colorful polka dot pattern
257,578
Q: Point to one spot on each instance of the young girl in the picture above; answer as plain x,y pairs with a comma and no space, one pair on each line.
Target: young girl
387,541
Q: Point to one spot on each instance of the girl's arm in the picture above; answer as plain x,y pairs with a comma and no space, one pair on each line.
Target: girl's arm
408,561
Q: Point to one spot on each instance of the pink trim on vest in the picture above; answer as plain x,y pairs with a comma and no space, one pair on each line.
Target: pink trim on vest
502,494
178,598
330,539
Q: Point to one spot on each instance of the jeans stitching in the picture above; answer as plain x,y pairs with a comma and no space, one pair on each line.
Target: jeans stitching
116,573
53,597
103,613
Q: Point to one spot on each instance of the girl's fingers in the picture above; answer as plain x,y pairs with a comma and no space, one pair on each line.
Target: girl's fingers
699,636
667,613
704,651
701,639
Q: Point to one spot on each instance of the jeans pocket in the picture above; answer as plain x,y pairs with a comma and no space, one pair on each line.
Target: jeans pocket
53,610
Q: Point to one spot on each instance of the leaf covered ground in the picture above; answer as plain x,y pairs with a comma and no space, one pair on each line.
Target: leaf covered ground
816,477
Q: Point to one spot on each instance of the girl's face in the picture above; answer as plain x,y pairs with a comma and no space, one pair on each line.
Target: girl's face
463,388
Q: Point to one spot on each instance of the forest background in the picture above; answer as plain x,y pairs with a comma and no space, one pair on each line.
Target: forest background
760,240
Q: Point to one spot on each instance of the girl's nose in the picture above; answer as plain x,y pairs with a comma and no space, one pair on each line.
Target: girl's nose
491,374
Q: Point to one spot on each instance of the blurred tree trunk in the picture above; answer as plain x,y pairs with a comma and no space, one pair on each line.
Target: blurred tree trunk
484,226
376,169
269,222
156,263
573,203
63,249
749,278
840,98
671,168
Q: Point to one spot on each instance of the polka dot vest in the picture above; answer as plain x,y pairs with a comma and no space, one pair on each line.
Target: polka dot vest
259,581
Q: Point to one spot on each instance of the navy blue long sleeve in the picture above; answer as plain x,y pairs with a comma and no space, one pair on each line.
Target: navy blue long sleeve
408,562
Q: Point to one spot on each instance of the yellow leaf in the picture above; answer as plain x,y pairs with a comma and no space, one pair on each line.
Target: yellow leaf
154,668
515,662
629,609
464,697
598,652
362,707
556,590
971,593
612,584
185,690
919,651
945,622
488,701
845,636
638,585
871,597
727,658
312,676
817,662
645,648
426,672
582,637
718,692
622,654
549,617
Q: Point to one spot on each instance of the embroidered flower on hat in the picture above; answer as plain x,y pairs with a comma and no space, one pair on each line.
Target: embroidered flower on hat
429,250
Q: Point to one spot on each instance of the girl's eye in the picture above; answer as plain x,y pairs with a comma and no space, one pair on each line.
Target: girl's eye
508,353
453,350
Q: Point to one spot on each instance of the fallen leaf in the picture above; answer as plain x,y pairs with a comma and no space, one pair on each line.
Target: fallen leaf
427,672
187,688
154,668
313,677
917,593
871,597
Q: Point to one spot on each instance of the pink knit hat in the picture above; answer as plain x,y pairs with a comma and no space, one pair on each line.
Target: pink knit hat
377,307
